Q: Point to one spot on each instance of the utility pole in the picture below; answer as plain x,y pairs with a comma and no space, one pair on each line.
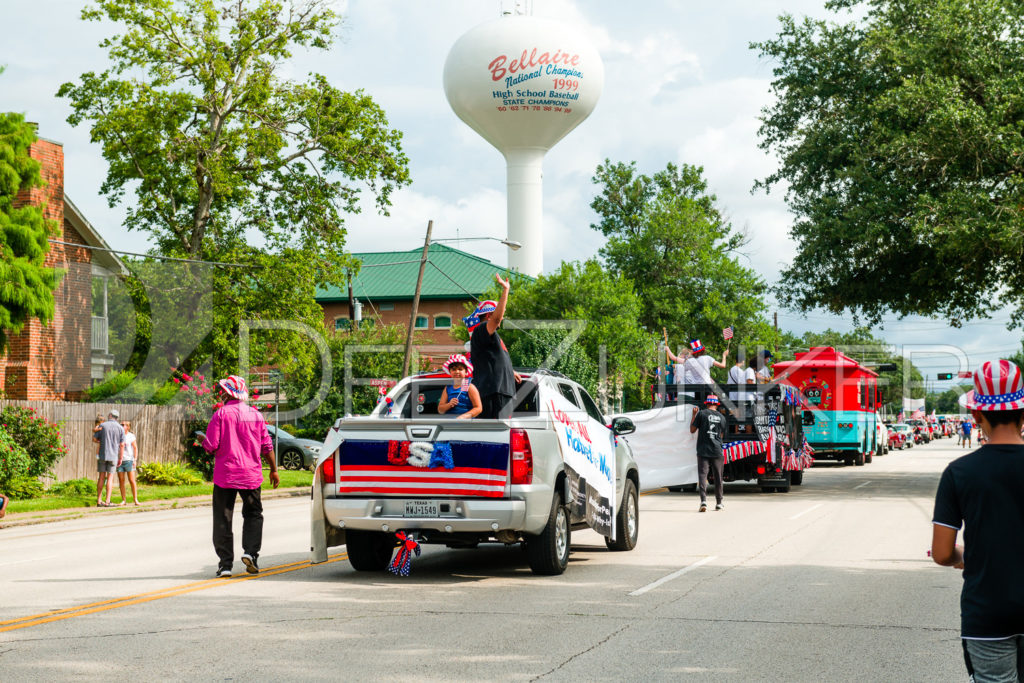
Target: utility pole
351,301
775,320
416,300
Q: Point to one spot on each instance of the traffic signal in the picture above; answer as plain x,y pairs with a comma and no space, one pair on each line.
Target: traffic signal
945,375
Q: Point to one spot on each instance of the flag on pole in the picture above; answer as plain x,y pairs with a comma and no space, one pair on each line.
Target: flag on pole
727,332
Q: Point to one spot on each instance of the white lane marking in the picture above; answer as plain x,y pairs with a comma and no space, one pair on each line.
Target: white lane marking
810,509
861,485
34,559
673,575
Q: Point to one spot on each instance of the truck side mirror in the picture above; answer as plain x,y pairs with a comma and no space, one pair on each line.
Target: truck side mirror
623,425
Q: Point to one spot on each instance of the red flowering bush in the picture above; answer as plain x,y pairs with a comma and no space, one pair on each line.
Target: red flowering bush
14,460
39,437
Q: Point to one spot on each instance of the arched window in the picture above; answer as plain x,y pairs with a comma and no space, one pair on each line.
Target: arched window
422,322
442,322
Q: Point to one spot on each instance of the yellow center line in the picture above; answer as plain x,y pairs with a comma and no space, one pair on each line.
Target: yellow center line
653,491
140,598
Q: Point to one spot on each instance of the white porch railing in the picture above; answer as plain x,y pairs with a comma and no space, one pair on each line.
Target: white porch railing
100,335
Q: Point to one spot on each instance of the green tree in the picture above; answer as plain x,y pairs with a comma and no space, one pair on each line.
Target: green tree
26,285
901,141
536,348
667,236
228,161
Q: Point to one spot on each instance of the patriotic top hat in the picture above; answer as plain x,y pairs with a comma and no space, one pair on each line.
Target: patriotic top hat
711,400
696,346
458,359
998,385
483,308
234,386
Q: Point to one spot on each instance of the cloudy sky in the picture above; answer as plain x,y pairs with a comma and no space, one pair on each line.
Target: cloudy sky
681,85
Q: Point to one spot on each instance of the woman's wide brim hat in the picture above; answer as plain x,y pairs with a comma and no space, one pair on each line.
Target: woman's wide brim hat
458,359
998,385
234,386
483,308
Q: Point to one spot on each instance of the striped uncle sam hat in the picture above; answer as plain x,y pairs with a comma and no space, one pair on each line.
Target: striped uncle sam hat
696,346
483,308
458,359
998,385
235,387
711,400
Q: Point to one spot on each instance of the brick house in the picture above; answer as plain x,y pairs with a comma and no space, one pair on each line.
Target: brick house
385,292
60,360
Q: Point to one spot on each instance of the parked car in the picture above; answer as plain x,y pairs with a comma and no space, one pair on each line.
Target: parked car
294,453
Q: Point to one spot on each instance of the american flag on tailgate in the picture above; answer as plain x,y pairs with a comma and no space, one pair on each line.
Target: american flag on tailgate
480,470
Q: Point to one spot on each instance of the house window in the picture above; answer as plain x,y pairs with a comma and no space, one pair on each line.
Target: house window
387,307
342,324
442,322
422,322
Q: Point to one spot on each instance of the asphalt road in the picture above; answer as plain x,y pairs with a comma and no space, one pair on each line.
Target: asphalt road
827,583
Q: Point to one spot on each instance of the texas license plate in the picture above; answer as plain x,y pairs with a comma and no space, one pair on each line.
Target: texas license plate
421,508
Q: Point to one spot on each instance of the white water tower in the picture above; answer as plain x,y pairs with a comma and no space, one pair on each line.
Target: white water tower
523,83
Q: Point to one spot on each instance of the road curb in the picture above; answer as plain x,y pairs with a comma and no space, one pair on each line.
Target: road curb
32,518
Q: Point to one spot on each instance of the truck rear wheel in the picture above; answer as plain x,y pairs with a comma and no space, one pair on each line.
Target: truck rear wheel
859,460
369,551
796,478
627,521
548,552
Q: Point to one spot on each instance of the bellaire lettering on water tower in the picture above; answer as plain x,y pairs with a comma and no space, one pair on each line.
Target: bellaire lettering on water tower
523,83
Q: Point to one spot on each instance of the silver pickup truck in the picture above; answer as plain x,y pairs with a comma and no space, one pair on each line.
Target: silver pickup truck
554,466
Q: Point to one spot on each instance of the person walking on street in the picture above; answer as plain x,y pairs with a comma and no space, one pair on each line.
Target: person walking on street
493,375
237,436
128,464
709,425
966,427
110,436
981,493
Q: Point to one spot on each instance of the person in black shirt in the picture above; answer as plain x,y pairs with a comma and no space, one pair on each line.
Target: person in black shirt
983,491
709,425
493,375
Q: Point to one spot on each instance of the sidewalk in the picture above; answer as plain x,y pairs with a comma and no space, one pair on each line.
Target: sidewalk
47,516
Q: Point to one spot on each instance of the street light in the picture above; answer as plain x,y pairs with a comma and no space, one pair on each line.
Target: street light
511,244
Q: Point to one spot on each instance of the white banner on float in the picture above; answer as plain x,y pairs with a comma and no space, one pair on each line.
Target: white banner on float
912,404
663,447
588,450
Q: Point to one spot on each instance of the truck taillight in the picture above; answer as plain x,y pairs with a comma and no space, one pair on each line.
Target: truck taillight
327,470
522,457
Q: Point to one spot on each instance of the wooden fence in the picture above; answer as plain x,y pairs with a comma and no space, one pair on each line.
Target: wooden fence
160,431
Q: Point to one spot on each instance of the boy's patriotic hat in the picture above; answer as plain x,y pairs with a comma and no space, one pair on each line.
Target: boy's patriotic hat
711,400
998,385
458,359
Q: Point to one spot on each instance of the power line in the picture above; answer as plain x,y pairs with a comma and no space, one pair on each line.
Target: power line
153,256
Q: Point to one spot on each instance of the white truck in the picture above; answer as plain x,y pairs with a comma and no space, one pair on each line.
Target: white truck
554,466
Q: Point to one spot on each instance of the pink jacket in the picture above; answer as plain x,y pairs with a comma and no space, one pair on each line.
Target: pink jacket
237,436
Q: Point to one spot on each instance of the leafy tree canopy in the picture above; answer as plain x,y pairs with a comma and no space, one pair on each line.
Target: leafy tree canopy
229,161
901,142
668,237
26,286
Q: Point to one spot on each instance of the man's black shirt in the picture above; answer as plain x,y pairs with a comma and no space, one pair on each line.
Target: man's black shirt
710,427
492,367
984,491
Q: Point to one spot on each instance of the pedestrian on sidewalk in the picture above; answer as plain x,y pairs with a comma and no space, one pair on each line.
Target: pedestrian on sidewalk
966,427
237,436
709,425
981,492
493,375
110,436
128,465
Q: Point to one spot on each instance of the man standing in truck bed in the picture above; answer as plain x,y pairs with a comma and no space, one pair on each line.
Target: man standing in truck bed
493,375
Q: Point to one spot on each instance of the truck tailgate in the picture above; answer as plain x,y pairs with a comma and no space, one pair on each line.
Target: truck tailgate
455,460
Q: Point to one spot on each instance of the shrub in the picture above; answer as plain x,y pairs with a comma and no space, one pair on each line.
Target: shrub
304,433
39,437
14,461
168,474
73,487
126,388
24,488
